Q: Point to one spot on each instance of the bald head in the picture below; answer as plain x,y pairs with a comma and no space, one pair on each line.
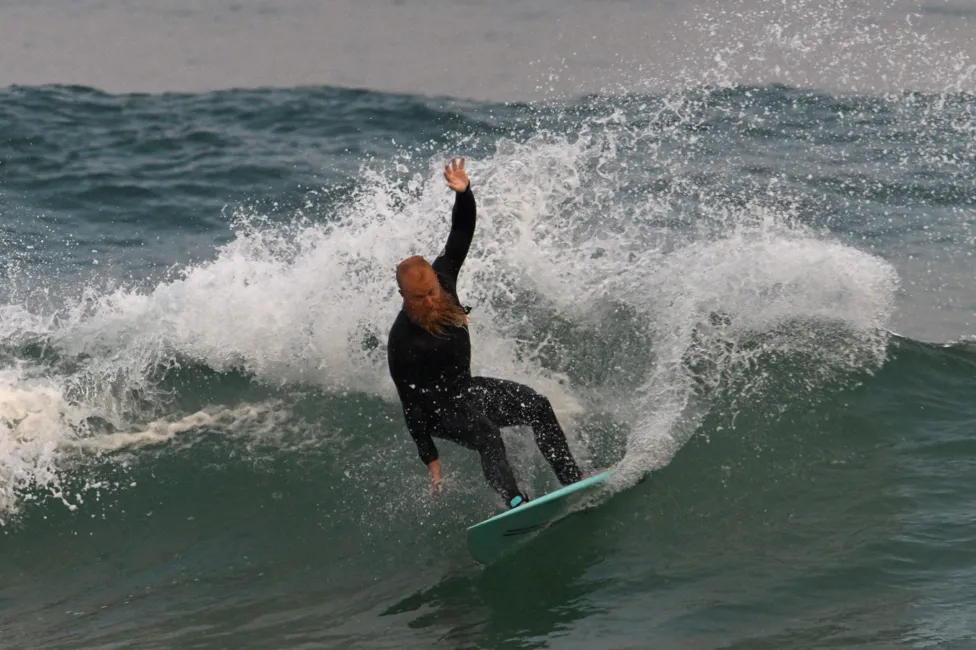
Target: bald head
412,270
418,285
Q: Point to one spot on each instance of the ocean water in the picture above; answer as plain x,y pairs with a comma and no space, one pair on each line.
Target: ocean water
731,242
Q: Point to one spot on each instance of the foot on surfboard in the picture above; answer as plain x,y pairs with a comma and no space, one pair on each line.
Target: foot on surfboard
517,500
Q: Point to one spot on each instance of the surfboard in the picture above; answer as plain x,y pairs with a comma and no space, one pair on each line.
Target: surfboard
495,537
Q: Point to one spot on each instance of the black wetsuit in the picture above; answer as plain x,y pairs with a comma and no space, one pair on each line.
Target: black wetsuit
441,399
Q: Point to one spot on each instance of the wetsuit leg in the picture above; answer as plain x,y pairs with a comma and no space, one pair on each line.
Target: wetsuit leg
507,404
473,430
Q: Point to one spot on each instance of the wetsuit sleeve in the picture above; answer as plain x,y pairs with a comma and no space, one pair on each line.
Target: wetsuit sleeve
417,426
463,218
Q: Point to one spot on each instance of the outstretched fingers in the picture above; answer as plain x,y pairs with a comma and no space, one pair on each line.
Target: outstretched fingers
454,164
452,169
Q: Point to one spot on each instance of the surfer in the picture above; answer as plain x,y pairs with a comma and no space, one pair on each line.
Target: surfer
429,356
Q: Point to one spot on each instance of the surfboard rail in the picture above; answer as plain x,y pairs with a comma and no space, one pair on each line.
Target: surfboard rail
496,536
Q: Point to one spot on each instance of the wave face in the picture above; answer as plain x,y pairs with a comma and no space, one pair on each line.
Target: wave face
200,443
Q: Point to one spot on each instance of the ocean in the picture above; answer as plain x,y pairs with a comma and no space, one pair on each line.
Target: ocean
731,242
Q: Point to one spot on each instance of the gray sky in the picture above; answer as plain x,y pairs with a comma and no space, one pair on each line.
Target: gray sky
488,49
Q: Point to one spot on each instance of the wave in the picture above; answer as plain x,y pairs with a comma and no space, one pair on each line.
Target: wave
618,268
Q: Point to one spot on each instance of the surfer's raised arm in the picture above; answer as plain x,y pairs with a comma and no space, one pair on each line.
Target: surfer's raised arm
463,219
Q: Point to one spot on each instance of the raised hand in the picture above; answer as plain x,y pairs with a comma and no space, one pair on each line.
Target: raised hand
457,178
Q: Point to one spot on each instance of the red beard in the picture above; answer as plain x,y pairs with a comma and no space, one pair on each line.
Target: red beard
445,313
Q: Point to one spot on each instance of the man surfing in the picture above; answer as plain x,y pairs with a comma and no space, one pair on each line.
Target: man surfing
429,356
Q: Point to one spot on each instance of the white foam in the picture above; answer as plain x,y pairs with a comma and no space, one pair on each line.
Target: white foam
43,426
34,420
755,281
257,420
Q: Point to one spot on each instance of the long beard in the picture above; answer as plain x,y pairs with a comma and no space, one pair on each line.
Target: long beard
445,313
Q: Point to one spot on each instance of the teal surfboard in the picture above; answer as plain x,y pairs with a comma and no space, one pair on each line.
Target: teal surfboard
495,537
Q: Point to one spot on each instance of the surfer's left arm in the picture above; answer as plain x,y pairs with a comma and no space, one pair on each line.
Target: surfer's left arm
463,220
417,426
